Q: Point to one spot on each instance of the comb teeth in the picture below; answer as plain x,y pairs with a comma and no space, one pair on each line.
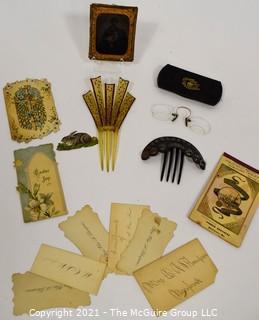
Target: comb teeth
173,150
176,159
171,156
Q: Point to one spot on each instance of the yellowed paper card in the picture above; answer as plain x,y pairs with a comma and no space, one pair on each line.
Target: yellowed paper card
69,268
149,242
87,232
176,276
123,223
30,109
229,201
33,292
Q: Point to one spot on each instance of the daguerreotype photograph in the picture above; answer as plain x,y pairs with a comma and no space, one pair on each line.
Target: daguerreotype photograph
112,32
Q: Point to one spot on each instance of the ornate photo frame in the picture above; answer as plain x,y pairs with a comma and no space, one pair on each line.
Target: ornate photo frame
112,32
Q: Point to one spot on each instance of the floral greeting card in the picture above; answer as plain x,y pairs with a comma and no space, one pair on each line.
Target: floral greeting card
39,183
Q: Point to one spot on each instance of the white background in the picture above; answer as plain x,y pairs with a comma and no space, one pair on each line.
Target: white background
219,39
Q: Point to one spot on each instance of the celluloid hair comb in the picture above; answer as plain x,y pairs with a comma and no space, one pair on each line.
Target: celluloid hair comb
109,105
174,151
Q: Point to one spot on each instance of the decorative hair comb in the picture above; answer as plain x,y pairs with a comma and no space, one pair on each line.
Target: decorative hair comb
109,106
174,148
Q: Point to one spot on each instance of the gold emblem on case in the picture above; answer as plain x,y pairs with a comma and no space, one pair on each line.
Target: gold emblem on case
191,84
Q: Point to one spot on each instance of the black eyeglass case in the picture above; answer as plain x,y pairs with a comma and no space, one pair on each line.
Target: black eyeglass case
190,85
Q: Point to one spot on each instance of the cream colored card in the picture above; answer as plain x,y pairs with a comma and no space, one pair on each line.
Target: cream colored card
87,232
176,276
69,268
149,242
35,292
123,223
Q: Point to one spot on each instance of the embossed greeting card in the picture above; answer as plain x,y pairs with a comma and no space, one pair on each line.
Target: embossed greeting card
39,183
30,109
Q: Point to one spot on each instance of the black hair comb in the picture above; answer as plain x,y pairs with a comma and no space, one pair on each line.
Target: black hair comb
173,148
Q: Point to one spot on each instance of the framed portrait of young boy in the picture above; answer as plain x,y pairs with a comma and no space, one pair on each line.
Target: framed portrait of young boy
112,32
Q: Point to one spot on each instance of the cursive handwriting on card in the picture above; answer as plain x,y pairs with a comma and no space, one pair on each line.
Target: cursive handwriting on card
95,240
176,276
87,232
148,243
33,291
69,268
123,223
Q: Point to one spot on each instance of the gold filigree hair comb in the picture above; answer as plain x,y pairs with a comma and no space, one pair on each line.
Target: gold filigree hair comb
108,105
